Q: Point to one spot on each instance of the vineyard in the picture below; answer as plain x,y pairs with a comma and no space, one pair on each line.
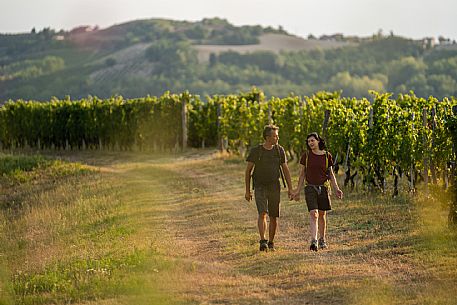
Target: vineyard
91,216
374,139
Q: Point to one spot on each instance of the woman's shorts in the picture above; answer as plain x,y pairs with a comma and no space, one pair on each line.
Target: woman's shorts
316,200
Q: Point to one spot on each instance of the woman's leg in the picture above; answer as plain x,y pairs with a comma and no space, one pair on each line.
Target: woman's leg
322,224
313,217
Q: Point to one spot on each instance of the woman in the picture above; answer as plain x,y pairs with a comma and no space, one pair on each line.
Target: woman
316,168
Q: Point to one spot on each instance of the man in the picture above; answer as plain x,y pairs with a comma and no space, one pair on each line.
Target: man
266,160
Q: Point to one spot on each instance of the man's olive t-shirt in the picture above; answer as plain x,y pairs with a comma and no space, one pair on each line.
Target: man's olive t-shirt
267,162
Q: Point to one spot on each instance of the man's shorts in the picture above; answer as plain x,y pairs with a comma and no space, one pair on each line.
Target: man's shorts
317,198
267,198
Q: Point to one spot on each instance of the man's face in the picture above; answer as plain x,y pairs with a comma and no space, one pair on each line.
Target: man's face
273,138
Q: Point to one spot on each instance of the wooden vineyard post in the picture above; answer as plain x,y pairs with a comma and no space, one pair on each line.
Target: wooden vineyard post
185,98
452,125
432,162
221,140
411,170
325,123
424,143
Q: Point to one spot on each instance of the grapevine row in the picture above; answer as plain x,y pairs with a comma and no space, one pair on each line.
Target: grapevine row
373,139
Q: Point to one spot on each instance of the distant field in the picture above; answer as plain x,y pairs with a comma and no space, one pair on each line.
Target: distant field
271,42
130,60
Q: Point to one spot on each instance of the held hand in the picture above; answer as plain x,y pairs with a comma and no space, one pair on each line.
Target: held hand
248,196
290,194
297,195
339,194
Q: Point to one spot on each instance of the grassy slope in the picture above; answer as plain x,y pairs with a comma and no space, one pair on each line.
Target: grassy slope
175,229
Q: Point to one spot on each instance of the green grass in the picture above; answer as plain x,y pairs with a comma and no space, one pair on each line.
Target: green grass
78,280
23,168
68,236
175,229
9,163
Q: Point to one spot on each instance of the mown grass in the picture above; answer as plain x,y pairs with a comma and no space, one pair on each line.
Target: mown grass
172,229
68,237
376,255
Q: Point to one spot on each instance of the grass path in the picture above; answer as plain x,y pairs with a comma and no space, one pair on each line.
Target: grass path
186,213
378,255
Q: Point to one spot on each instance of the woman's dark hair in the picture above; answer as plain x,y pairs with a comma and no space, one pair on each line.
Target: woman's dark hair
318,138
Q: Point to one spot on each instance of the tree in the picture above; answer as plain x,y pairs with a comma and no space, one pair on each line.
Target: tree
109,62
196,32
212,59
442,85
353,85
402,70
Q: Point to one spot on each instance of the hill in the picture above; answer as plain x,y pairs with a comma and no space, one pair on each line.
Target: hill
212,56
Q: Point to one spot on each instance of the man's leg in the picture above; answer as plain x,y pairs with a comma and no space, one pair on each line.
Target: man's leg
274,199
262,209
262,224
272,228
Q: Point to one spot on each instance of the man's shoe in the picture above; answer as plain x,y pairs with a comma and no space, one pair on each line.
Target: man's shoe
271,246
322,243
313,246
263,245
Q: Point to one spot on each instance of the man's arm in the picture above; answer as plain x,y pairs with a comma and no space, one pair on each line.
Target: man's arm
247,180
285,169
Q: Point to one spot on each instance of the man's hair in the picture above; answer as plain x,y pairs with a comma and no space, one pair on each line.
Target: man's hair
321,141
268,129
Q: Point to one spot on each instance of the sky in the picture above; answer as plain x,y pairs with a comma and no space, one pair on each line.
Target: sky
408,18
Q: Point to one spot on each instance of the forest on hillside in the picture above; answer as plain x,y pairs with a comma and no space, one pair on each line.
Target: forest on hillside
152,56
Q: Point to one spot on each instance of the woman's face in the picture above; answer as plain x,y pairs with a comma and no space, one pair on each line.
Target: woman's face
313,143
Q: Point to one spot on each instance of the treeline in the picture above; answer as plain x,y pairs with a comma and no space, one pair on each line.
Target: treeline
17,46
390,64
206,31
28,69
214,31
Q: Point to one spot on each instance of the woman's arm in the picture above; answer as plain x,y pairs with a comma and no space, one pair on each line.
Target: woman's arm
301,180
334,183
